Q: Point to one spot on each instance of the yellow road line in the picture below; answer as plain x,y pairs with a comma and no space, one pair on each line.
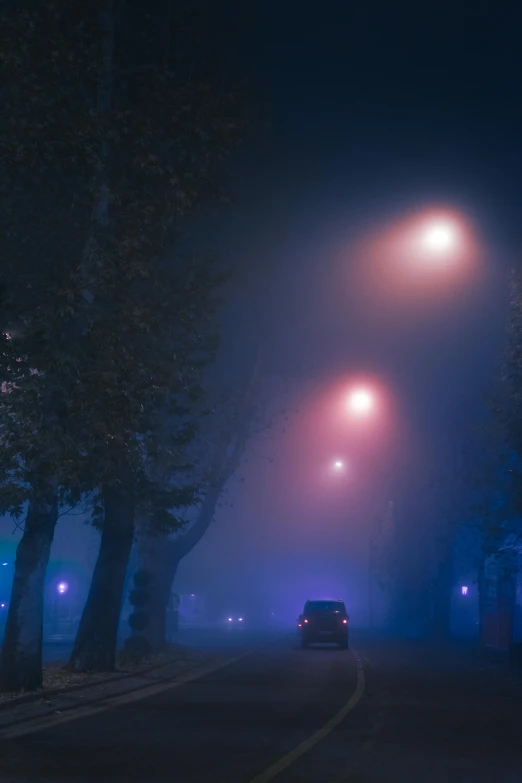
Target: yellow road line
34,725
328,727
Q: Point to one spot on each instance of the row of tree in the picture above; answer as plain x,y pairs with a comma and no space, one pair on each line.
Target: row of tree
483,498
113,131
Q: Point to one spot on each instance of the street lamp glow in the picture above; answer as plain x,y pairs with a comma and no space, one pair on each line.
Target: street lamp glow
439,237
62,587
338,464
361,402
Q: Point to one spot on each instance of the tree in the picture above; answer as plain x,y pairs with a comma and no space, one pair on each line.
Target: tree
220,448
484,495
508,407
101,159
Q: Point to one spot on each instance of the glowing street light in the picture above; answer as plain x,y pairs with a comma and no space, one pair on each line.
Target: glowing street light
62,587
428,252
361,402
338,464
439,236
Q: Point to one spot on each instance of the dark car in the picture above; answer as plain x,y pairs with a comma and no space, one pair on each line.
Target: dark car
324,621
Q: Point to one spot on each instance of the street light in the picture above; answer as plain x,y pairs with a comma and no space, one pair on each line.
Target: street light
440,240
338,464
62,588
361,401
440,236
415,259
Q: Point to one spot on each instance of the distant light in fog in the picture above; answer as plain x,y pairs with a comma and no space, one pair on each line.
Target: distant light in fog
2,606
229,619
361,402
338,464
5,564
62,587
464,590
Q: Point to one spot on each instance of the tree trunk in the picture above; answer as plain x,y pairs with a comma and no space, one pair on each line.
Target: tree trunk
156,633
21,659
161,589
95,645
161,556
157,556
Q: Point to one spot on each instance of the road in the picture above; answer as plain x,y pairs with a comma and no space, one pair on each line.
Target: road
385,711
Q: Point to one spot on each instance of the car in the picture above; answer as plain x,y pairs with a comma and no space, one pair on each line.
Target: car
324,621
235,620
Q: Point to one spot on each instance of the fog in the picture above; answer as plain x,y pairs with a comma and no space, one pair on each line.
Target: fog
309,240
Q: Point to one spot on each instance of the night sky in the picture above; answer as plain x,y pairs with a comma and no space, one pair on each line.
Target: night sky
361,113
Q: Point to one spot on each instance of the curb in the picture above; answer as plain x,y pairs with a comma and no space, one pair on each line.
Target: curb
82,686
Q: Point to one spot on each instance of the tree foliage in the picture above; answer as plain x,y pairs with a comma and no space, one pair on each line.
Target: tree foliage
107,146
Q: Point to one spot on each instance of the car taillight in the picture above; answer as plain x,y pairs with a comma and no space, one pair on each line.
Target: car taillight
299,625
306,621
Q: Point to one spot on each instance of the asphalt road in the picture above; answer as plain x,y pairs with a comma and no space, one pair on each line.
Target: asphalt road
426,714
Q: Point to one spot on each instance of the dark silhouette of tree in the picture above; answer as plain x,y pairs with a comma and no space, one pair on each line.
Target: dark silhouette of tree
220,449
107,148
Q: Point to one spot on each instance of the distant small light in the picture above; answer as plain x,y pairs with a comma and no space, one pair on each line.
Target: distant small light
2,606
192,595
240,619
62,587
5,563
229,619
464,590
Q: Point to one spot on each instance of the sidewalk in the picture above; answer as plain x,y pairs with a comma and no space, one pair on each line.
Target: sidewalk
91,690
